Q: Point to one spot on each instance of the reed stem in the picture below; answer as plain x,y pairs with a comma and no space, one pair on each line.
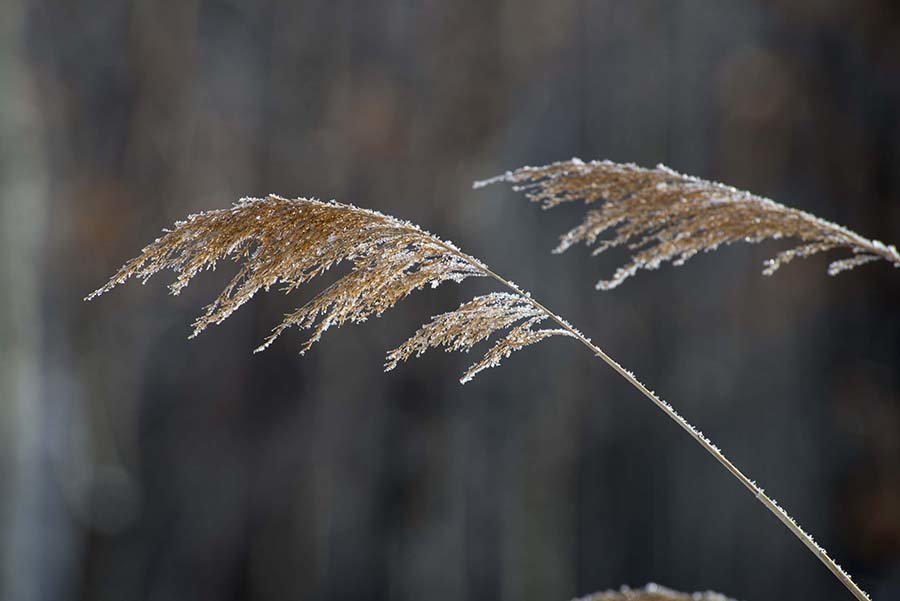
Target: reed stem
704,442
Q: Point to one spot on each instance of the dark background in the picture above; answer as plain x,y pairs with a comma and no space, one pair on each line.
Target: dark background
137,465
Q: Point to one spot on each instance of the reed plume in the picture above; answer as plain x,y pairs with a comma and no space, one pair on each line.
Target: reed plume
664,216
652,592
279,241
287,243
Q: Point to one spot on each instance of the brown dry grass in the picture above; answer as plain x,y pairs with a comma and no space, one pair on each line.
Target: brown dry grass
288,243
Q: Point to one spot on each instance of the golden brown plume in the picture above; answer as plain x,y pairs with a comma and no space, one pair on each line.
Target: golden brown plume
663,216
278,241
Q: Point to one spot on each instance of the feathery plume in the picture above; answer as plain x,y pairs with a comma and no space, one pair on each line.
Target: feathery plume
664,216
652,592
279,241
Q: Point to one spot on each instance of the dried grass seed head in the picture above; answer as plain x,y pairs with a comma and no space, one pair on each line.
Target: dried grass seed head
664,216
288,242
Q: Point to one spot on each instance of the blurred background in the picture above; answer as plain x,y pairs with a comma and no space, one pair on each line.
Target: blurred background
135,464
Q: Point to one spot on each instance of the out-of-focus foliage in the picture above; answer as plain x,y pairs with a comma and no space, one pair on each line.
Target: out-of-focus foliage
653,592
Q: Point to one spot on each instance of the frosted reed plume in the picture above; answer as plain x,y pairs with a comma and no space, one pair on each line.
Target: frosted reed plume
652,592
664,216
282,242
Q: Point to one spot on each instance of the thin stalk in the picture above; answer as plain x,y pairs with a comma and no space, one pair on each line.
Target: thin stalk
696,434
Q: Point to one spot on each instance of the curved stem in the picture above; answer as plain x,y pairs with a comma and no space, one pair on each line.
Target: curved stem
685,425
703,441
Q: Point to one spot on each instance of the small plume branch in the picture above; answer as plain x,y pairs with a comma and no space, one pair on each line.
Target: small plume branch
653,592
664,216
475,321
518,338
